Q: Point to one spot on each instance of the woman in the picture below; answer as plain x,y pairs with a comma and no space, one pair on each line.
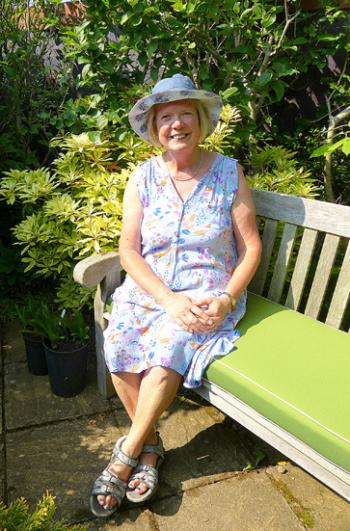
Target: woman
190,246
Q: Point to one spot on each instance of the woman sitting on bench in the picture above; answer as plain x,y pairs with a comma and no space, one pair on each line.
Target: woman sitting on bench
190,246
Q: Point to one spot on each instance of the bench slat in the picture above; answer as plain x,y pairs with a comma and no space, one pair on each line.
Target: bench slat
268,240
318,215
341,293
322,275
280,268
301,269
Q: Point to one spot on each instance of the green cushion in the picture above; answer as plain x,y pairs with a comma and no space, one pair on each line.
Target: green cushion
295,371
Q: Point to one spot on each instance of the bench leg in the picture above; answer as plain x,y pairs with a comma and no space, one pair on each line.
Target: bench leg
104,381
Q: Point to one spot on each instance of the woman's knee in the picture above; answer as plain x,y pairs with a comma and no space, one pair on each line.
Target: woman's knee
163,376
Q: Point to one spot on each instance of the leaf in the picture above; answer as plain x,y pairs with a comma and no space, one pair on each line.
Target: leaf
346,146
265,78
151,48
326,149
231,91
278,87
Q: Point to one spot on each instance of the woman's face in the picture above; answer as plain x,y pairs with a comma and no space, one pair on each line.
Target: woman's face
177,125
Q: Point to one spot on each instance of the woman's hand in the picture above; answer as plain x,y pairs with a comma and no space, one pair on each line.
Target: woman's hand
216,308
186,313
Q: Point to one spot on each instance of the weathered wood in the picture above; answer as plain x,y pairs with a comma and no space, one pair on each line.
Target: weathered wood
301,269
90,271
268,240
104,290
317,215
282,261
321,278
341,293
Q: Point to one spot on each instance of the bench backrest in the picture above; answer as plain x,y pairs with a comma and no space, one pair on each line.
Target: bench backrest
306,256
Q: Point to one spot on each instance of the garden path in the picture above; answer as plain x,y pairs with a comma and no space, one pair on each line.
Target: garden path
208,479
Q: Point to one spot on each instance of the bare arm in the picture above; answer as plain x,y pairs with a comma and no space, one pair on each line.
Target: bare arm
248,241
248,248
130,245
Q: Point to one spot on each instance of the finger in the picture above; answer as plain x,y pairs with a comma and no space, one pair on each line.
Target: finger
183,325
204,301
200,314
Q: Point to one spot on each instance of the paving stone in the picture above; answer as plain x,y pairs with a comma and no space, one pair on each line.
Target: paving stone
2,468
200,443
131,520
30,401
245,503
13,344
1,404
319,506
63,458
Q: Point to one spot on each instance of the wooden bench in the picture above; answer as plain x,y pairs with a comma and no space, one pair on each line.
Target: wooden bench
288,381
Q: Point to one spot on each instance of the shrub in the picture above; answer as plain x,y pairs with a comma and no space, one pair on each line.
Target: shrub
17,517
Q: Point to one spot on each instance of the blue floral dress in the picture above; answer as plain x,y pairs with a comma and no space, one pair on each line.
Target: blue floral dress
191,247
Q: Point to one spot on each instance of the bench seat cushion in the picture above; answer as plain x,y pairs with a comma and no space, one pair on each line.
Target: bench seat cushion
295,371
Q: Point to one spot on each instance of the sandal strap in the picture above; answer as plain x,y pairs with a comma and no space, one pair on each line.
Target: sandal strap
146,474
108,484
157,449
119,454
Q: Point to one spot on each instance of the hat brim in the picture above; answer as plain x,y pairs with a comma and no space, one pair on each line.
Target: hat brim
139,113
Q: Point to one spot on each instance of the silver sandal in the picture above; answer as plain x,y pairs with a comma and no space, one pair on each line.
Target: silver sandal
147,474
108,484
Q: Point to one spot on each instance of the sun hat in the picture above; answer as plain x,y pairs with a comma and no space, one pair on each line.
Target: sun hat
177,87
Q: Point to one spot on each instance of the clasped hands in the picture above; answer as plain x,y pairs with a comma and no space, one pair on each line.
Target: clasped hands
202,316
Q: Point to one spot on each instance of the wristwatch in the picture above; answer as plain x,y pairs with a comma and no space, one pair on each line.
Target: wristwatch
233,301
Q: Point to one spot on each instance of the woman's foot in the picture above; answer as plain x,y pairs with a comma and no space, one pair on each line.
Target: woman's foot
144,479
109,488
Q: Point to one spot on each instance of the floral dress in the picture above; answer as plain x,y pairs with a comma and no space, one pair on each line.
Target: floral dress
190,246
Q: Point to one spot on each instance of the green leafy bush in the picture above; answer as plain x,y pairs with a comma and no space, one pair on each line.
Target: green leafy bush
75,209
276,169
17,517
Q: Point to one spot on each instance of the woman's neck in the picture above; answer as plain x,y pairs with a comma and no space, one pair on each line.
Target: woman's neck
180,161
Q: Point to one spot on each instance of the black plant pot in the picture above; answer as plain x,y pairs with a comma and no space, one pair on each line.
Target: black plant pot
67,370
35,351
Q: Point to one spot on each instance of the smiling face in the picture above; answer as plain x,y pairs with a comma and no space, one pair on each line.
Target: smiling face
177,125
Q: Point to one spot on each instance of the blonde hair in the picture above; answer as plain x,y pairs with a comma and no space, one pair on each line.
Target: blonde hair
203,118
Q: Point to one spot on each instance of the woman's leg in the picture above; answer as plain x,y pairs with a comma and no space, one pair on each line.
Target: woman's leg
157,391
144,397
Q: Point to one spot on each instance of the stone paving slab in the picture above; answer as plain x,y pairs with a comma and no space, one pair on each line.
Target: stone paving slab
2,468
321,508
63,458
30,401
200,443
245,503
131,520
13,344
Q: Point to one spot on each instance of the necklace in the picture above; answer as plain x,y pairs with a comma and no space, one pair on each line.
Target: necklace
197,167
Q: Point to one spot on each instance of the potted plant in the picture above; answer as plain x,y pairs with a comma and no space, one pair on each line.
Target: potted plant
30,316
66,346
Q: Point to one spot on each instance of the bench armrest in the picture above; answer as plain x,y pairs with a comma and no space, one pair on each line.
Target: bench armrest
90,271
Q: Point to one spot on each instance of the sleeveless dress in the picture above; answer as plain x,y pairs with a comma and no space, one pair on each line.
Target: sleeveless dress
190,246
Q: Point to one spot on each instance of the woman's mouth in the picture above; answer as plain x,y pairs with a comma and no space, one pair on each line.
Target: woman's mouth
179,136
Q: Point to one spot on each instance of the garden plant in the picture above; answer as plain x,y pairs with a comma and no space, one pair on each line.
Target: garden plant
63,184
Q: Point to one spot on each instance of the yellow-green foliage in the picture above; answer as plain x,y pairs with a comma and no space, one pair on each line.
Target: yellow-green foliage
74,209
17,517
275,169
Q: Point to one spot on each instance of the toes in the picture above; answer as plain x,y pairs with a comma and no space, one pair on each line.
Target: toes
142,488
101,500
134,484
106,501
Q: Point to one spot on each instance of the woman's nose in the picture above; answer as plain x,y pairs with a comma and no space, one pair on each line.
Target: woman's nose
177,122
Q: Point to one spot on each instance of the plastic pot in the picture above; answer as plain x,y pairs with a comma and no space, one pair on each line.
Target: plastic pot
35,352
67,370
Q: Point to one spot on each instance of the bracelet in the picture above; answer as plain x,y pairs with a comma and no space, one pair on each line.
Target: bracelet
233,301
